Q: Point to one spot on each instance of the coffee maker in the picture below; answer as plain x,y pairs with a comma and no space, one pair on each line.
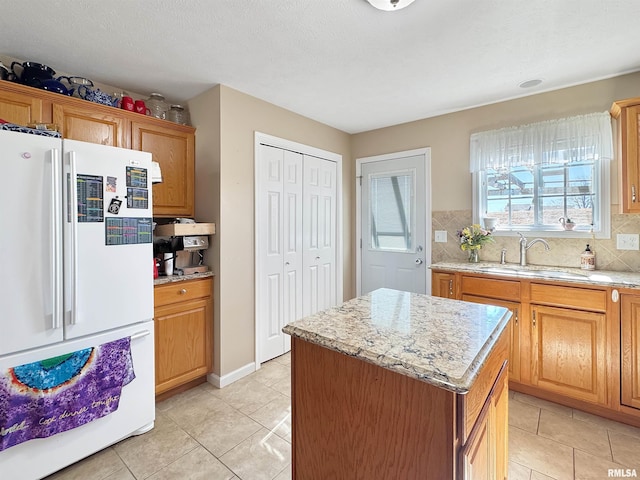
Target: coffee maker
194,247
183,245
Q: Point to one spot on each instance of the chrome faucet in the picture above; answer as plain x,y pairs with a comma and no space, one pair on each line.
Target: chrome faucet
524,247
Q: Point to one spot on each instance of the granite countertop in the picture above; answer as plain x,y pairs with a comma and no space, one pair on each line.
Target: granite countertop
606,278
439,341
180,278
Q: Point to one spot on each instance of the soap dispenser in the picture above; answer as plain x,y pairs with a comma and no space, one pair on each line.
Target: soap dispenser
588,259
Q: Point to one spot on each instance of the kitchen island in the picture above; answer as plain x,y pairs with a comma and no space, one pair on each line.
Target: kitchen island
396,385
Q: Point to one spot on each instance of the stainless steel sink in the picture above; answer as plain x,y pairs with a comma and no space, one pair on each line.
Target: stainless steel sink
527,272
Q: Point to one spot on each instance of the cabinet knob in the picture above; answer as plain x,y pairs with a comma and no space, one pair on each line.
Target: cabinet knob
183,291
633,193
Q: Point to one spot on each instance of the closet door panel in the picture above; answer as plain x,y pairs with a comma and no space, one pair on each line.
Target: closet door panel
270,251
319,217
292,268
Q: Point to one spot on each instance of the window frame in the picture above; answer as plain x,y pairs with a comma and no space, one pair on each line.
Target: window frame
601,208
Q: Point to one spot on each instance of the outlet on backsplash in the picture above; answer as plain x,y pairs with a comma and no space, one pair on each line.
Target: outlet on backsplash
628,241
440,236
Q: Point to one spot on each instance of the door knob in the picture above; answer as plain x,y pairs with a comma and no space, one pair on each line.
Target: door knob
419,261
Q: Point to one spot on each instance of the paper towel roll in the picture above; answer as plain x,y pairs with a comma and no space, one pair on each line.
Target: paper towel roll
168,263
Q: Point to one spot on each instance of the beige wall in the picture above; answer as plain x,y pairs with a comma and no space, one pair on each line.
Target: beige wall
205,114
448,135
227,119
240,116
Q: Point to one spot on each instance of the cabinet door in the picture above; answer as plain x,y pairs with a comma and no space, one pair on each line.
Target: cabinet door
173,149
630,159
19,108
514,330
486,454
183,342
569,352
477,461
443,285
630,350
500,428
94,124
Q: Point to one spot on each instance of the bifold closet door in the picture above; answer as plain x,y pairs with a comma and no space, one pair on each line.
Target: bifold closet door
319,234
296,244
279,248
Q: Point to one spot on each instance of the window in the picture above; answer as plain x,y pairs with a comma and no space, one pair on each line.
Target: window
392,218
532,177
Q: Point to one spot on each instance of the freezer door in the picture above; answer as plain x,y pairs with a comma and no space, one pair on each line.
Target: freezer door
108,238
30,242
37,458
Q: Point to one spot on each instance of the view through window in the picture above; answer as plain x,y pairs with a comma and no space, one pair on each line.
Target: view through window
391,215
538,176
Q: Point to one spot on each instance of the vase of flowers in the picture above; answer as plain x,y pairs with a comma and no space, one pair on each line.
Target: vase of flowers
472,239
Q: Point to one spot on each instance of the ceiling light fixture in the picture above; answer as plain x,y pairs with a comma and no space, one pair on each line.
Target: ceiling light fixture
530,83
390,5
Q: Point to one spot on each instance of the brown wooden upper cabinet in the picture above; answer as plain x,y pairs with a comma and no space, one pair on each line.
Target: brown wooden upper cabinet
91,123
628,114
20,108
173,148
172,145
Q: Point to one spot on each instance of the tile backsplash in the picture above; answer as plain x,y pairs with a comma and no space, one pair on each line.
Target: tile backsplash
565,252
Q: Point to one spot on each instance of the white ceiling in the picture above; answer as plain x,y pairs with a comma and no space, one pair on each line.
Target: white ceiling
340,62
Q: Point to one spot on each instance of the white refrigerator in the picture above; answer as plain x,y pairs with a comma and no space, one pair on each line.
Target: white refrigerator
76,243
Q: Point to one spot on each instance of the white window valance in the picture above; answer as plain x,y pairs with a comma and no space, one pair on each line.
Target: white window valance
560,141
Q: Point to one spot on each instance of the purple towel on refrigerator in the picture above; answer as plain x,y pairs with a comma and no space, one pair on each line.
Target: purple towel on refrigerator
41,399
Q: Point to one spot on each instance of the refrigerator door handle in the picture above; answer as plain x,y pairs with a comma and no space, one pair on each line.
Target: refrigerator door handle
56,237
141,334
73,214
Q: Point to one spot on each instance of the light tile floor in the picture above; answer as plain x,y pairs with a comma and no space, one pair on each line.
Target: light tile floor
243,432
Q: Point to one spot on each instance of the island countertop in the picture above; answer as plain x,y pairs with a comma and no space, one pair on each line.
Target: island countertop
439,341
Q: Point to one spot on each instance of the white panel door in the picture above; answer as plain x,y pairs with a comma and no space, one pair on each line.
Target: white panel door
393,225
292,248
279,214
108,269
30,296
319,235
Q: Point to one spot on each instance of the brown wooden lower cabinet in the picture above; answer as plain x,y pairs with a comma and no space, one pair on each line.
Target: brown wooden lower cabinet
184,332
630,350
444,285
356,420
569,352
485,456
578,345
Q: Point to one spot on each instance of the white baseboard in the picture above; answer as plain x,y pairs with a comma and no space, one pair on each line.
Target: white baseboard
234,376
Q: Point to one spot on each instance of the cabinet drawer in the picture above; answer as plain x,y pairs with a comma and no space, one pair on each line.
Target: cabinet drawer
572,297
181,291
491,287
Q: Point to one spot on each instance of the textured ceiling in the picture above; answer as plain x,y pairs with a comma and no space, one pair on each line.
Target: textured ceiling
340,62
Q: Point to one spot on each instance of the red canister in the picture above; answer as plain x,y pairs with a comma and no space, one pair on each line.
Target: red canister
140,107
127,103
